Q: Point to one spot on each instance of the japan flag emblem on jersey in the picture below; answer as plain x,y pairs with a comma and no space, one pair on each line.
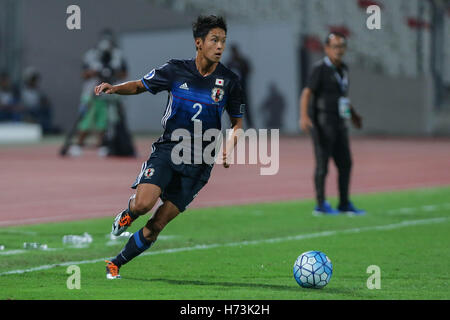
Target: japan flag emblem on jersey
219,82
149,172
217,94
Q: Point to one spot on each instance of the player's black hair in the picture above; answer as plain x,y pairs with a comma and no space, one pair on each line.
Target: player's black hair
204,24
335,34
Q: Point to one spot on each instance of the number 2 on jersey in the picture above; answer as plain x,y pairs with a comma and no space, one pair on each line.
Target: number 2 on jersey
194,118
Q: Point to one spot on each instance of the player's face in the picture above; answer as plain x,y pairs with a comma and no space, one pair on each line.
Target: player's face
214,44
335,50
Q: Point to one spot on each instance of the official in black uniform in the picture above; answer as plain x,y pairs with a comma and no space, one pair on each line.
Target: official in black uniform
326,119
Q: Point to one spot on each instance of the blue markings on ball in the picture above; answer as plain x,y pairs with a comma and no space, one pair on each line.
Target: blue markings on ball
313,269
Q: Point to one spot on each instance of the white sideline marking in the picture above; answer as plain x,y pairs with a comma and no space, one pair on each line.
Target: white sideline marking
20,251
402,224
427,208
11,252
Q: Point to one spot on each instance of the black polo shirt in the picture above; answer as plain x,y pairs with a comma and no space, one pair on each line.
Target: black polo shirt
328,83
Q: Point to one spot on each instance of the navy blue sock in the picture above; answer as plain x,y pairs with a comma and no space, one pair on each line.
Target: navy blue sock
134,247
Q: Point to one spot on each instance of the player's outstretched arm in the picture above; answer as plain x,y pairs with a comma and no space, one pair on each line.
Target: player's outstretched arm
126,88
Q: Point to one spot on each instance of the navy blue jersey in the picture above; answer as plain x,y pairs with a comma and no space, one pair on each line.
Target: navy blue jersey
193,97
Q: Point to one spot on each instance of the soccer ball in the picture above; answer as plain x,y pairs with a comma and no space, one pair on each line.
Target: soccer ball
313,269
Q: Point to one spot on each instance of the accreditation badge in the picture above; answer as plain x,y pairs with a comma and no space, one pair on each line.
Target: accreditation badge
344,108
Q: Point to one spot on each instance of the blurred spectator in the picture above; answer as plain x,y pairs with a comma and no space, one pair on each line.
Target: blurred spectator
240,65
35,103
273,107
103,63
9,100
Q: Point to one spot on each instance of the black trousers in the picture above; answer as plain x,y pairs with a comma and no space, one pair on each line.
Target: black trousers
330,140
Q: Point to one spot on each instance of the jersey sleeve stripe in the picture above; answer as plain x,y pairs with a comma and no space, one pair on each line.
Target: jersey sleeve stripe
168,112
146,86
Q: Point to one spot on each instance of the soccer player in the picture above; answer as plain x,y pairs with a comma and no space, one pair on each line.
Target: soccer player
199,90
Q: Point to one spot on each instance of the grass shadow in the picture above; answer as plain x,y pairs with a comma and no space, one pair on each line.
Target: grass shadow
290,288
222,284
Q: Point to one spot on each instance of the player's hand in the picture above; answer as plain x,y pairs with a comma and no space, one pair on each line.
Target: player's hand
225,163
356,120
104,87
305,124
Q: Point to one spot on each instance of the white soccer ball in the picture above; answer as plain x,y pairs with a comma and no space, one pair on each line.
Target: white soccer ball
313,269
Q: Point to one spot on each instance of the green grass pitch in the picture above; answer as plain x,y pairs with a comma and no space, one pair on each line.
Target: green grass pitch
246,252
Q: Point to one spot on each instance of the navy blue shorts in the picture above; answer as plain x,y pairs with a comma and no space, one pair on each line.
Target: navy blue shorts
180,183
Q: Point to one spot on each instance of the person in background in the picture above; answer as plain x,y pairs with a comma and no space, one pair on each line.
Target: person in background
241,66
103,63
35,103
326,119
10,109
273,107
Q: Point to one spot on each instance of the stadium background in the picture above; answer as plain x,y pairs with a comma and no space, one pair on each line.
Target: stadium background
400,83
410,53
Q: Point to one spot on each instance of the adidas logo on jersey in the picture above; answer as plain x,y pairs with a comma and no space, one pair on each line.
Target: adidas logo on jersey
184,86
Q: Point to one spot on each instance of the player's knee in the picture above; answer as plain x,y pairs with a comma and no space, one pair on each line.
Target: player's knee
142,206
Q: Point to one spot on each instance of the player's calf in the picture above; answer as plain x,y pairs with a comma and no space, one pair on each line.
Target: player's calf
152,229
163,215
